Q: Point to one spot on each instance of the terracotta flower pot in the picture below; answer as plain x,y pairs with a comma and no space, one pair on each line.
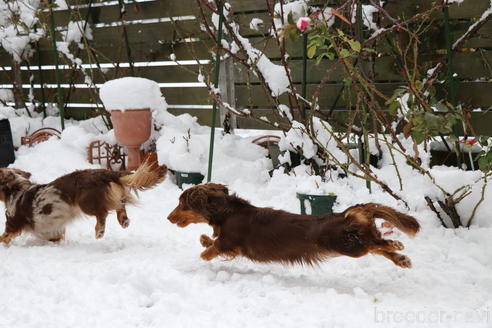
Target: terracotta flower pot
132,129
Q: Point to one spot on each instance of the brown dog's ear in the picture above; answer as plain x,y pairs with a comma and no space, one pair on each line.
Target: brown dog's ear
217,188
209,199
196,198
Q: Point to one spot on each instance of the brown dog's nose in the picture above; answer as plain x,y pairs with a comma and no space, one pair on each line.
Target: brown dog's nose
172,217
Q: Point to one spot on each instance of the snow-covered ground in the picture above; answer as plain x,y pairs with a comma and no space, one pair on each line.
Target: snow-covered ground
150,275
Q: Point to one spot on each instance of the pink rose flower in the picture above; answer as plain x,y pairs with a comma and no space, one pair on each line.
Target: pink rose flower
303,23
468,142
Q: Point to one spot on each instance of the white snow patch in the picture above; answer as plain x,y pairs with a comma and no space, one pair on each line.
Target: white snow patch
132,93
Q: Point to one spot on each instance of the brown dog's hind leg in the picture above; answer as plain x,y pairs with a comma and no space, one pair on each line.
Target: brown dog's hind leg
398,259
388,245
206,241
101,225
122,217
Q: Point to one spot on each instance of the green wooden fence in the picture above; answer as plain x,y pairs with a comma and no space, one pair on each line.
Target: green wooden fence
158,28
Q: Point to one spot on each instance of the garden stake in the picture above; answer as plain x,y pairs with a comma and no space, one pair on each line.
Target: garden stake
41,81
125,36
57,69
450,81
73,72
216,85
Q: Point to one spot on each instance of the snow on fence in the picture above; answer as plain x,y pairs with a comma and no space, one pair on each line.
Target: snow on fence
147,34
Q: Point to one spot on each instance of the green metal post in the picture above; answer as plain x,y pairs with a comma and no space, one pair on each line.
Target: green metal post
304,72
216,85
450,81
57,69
363,146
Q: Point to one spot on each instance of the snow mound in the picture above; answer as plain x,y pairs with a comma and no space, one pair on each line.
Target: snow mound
130,93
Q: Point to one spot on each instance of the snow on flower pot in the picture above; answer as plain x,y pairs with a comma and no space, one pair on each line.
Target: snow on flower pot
130,100
316,204
194,178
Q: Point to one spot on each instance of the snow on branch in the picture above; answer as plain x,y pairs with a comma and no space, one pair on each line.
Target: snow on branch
474,27
17,27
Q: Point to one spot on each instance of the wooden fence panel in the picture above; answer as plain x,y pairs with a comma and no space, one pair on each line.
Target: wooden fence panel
159,28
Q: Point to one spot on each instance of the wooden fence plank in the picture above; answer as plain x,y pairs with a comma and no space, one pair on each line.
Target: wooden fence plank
465,10
255,95
141,52
160,74
480,121
134,11
175,96
474,94
204,116
240,6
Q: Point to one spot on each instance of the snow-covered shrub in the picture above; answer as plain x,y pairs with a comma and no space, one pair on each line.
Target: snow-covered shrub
396,129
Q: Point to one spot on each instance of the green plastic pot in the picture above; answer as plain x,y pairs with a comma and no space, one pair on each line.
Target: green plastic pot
442,157
194,178
320,204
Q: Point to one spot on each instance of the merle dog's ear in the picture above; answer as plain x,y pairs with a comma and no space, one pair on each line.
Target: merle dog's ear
8,176
22,173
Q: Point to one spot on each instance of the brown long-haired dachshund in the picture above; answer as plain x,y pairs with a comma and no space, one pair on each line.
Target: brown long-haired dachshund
268,235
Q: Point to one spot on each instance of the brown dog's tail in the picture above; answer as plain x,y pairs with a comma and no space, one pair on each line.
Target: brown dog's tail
145,177
370,211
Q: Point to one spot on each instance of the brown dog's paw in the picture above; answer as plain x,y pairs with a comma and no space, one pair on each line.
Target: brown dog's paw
209,254
206,241
403,261
396,245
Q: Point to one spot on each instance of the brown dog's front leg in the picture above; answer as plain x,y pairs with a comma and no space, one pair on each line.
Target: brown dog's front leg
210,253
398,259
216,233
206,241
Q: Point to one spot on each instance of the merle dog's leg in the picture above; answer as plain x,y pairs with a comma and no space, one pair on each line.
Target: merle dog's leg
101,224
122,217
8,236
11,230
59,238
